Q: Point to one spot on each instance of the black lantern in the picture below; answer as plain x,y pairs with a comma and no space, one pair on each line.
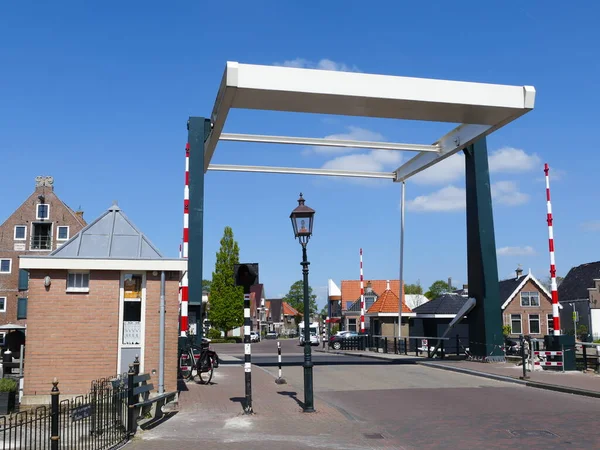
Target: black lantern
302,221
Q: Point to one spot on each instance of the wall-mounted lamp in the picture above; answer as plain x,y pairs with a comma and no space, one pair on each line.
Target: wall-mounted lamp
47,281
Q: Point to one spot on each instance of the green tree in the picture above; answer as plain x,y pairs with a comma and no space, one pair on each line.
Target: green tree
438,287
324,312
295,297
206,285
226,299
413,289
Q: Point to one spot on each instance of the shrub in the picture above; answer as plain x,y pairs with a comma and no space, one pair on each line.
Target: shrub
8,385
213,333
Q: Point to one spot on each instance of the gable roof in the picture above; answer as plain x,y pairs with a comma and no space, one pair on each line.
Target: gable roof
511,287
575,285
351,289
449,303
333,290
112,236
288,310
387,303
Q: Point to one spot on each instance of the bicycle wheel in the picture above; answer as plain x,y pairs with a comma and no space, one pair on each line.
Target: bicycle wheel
186,364
204,372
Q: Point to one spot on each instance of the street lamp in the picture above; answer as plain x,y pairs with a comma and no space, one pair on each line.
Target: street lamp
302,221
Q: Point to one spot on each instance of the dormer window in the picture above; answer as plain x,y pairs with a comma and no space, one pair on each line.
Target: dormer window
43,211
369,300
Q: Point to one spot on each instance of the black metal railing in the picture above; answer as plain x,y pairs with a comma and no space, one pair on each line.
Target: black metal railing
41,243
98,420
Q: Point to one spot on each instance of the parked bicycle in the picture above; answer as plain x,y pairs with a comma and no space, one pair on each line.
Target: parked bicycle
198,361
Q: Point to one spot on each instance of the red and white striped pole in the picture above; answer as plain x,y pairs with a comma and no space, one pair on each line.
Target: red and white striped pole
186,224
362,296
555,315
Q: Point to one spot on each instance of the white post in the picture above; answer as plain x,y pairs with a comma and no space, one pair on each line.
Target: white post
401,262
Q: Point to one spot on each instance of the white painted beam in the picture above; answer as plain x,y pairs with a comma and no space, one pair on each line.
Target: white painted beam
302,171
326,142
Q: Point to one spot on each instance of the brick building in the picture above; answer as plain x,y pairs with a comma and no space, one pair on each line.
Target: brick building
94,306
41,224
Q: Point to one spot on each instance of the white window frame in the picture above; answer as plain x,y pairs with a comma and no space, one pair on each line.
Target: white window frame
15,233
510,320
4,308
58,227
37,211
78,289
9,266
529,299
122,301
2,338
539,323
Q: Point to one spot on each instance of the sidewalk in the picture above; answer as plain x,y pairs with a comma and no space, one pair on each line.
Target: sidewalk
587,384
212,417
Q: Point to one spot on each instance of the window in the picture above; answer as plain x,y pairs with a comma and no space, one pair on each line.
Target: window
41,236
22,308
534,324
351,324
78,282
515,324
369,300
5,265
2,341
2,304
550,323
62,233
132,287
530,299
43,211
20,232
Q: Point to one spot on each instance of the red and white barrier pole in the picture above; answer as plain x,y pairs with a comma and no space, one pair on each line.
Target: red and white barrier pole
186,224
362,296
554,288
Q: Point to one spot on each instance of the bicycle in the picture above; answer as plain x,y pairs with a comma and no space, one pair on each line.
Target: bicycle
198,361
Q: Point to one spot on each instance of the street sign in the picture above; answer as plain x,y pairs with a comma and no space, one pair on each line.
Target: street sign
81,412
246,275
424,343
575,316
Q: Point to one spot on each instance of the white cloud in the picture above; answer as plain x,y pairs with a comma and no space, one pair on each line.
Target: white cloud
516,251
504,160
507,193
592,225
323,64
452,198
447,199
353,134
512,160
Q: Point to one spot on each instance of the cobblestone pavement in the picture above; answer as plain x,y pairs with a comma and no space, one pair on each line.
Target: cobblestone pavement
377,406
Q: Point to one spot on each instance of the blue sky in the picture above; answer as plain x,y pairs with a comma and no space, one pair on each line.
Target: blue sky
97,94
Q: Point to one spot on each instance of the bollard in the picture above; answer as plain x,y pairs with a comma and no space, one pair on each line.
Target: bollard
406,346
248,354
385,348
279,379
524,377
54,436
584,358
395,346
130,402
457,345
416,347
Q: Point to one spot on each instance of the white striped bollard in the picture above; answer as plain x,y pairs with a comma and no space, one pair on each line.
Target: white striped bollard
279,379
247,355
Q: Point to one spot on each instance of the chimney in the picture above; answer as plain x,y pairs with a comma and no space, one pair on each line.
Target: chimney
466,287
387,286
369,288
519,272
79,214
450,283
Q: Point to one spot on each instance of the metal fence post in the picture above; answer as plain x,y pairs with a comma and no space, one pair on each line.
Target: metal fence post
130,401
522,339
457,345
584,358
55,411
395,346
385,348
416,347
442,349
136,365
406,346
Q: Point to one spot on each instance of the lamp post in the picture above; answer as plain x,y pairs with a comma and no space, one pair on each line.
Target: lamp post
302,221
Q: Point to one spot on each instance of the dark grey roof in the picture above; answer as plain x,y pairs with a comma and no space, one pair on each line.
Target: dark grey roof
507,287
444,304
355,307
112,235
575,285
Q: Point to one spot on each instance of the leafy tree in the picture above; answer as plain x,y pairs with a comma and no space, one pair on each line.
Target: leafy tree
226,299
437,288
295,297
413,289
206,285
297,319
506,330
548,282
324,312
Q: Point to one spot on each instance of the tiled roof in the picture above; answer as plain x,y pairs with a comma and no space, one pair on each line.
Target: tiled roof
443,304
351,288
507,287
387,303
578,280
288,310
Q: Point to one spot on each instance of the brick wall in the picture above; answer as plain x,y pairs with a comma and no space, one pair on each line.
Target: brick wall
543,310
74,336
59,215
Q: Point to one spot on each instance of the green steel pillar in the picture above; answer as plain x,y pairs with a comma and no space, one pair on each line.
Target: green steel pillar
485,320
198,131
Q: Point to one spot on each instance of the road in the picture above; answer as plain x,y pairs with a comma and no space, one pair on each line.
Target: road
364,403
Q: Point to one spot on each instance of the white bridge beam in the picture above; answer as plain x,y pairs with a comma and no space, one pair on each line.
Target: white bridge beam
326,142
302,171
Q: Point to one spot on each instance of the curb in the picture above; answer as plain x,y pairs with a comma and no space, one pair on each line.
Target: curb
534,384
361,355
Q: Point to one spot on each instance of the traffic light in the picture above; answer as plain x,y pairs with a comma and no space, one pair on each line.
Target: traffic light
246,275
